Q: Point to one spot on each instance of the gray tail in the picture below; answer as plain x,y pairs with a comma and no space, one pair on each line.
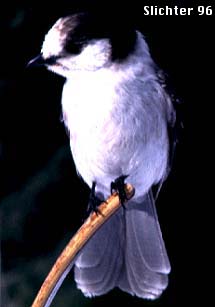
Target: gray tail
127,252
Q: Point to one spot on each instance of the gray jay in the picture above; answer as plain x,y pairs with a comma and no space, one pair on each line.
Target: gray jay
117,111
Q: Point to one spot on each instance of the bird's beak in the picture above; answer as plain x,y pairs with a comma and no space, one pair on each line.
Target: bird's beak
37,61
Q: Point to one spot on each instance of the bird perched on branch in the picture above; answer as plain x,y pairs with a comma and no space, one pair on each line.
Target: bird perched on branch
118,114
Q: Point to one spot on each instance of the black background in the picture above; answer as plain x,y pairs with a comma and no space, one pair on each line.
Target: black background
42,201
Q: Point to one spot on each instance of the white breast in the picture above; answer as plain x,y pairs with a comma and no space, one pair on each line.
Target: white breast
117,125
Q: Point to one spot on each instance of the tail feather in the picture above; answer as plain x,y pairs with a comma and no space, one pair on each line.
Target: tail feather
127,252
143,227
98,266
138,287
146,260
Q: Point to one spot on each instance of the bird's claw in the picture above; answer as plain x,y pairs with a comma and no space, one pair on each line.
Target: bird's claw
94,201
118,185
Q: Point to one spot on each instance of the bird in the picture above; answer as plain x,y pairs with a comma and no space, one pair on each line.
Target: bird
118,113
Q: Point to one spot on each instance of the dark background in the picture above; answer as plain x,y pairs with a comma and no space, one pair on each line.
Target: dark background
43,202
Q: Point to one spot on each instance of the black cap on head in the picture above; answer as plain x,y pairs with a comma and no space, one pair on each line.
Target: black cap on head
85,27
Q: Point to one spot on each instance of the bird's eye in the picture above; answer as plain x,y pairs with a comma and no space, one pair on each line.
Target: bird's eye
51,60
73,48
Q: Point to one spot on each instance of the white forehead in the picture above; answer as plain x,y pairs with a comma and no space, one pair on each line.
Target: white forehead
54,40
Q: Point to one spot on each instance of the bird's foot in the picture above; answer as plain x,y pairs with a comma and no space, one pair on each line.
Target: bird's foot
94,201
118,185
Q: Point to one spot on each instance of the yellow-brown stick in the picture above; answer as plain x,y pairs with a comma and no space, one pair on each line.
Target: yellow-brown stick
85,232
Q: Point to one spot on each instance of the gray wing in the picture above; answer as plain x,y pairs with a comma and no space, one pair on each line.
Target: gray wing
98,267
146,261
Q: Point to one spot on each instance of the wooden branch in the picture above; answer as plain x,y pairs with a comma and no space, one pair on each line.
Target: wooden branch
85,232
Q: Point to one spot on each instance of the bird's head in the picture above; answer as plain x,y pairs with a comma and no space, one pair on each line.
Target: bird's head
84,42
